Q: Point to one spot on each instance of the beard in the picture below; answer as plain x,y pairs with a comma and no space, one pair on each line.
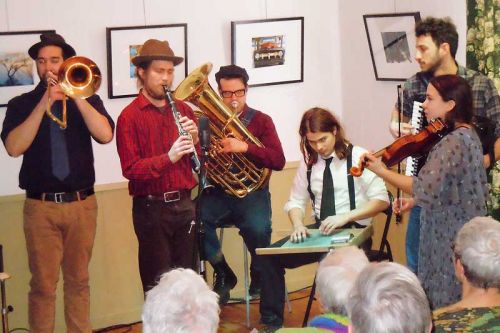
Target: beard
156,93
433,65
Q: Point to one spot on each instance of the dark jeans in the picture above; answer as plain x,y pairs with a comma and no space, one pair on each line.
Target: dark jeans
272,295
251,214
412,239
164,235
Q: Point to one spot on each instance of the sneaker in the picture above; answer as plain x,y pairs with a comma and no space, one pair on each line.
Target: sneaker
269,329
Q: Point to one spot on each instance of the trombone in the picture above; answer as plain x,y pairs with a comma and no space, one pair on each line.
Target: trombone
79,77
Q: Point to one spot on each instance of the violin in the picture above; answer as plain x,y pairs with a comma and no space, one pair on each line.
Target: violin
408,145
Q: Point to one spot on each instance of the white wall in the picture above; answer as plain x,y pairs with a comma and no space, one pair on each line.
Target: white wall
367,103
83,25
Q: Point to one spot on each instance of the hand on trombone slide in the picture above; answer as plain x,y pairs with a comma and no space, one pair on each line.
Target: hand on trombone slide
54,89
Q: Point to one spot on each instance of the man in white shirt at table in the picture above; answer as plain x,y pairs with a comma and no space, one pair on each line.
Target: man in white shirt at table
335,206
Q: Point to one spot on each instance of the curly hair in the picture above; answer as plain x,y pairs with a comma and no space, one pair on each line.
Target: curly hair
440,30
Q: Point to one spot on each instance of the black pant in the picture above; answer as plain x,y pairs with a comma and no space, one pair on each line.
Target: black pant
166,239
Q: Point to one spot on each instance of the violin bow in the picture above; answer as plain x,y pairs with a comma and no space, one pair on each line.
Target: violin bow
400,110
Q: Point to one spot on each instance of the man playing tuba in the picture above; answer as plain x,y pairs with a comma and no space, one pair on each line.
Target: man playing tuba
252,213
57,172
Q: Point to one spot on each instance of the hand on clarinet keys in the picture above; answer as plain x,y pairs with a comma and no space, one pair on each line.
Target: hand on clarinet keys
182,146
190,126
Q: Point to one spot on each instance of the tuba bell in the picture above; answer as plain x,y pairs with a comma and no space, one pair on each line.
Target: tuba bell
79,77
233,172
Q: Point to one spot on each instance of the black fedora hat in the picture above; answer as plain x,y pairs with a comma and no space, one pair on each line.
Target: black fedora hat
154,49
51,38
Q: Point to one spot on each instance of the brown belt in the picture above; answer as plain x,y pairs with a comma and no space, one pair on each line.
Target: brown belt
61,197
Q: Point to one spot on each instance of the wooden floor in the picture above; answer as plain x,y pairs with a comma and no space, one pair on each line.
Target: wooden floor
232,318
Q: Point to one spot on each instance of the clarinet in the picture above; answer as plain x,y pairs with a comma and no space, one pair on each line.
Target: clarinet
195,161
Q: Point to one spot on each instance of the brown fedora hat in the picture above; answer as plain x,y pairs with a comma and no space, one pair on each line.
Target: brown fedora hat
153,49
51,38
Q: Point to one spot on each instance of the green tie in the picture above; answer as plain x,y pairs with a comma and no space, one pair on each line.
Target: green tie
327,196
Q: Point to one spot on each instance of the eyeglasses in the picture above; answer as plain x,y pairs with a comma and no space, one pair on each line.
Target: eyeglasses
237,93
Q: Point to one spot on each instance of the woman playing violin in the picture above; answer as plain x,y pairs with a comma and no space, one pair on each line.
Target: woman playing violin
450,188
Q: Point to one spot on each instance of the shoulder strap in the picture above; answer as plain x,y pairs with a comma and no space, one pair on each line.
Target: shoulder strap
247,118
311,194
350,179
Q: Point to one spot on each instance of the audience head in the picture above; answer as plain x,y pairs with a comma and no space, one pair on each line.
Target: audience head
477,249
181,302
453,103
328,135
336,275
387,297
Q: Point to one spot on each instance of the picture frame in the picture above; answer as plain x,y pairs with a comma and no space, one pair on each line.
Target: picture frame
18,73
123,43
391,38
271,50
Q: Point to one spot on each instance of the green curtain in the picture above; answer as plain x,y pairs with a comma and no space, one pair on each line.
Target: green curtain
483,55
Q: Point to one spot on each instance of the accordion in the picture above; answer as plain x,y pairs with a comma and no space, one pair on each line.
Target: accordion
418,122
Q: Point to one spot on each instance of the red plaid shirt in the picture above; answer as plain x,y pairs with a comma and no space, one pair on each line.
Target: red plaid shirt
144,135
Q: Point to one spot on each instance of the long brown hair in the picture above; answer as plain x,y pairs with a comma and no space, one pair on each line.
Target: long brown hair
321,120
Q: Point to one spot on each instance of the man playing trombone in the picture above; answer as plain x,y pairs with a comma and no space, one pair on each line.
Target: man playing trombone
155,146
57,172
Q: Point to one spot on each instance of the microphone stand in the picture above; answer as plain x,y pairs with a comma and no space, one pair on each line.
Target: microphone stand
203,186
5,308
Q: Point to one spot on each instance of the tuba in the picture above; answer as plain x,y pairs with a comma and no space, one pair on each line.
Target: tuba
79,77
233,172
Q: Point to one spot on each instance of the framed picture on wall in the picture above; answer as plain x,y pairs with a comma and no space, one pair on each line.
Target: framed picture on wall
17,70
391,38
123,43
271,50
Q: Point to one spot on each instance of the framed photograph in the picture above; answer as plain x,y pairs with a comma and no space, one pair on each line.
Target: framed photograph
17,70
391,38
272,51
123,44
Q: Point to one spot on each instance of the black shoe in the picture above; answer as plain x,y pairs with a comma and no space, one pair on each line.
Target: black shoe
224,281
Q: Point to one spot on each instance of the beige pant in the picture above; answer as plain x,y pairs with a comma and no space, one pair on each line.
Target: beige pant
59,235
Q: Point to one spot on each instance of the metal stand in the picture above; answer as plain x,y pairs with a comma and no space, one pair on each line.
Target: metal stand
203,185
5,308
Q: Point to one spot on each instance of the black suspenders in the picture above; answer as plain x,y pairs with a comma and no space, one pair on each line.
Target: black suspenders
350,182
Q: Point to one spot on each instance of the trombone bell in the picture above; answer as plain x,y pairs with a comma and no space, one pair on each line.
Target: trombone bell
79,77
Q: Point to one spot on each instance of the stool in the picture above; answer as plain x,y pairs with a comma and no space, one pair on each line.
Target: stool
246,277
